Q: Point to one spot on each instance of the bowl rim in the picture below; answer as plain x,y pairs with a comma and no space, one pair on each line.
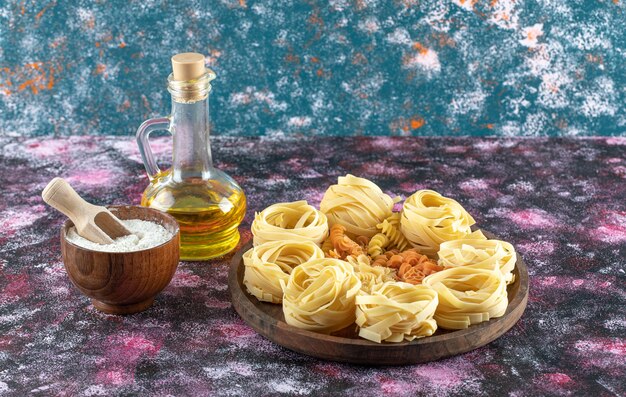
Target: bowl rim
65,226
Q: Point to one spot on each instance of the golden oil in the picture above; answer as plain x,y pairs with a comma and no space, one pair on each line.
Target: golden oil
208,217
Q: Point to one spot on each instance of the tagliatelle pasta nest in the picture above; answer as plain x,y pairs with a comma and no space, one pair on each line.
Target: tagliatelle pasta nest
268,264
479,254
468,296
429,219
319,295
357,204
396,311
290,221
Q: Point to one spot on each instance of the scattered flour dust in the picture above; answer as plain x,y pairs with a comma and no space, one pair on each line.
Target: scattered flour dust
144,235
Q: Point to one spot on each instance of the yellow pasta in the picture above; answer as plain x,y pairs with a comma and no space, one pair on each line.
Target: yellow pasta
328,246
396,311
357,204
369,275
390,227
481,254
467,296
269,263
377,244
319,295
290,221
429,219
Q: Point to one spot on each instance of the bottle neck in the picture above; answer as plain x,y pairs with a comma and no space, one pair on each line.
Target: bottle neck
192,148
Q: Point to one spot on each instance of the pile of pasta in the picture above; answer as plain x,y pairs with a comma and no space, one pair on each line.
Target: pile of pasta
396,276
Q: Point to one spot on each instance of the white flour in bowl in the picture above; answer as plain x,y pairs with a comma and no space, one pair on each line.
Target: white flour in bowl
144,235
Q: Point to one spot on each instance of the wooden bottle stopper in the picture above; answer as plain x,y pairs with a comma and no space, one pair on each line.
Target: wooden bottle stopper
188,66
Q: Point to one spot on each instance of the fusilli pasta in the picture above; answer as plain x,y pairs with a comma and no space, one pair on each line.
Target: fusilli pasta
390,227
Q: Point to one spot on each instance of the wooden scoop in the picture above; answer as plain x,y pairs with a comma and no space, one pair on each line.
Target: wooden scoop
92,222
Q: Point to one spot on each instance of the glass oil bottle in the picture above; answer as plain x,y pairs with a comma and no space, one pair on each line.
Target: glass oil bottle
207,203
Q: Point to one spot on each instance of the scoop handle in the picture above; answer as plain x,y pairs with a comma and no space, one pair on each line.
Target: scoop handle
60,195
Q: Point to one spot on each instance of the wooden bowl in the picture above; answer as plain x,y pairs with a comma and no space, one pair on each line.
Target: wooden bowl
123,282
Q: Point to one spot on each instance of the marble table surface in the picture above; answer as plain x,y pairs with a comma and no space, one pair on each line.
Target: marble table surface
561,202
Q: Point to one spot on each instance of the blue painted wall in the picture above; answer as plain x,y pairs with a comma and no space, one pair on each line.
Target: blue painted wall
370,67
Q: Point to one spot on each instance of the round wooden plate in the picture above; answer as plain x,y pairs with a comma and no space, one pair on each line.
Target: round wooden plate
267,319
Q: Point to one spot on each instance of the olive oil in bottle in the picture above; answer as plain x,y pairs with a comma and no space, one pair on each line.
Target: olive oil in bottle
207,203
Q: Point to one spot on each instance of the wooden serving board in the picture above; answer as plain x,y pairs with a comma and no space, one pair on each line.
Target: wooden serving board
267,319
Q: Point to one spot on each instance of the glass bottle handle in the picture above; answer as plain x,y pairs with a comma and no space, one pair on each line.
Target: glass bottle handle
143,141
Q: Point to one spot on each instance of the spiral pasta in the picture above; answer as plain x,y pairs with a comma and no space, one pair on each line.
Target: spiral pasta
343,246
390,227
468,296
480,254
319,295
396,311
428,219
377,244
411,265
415,267
269,263
290,221
369,275
357,204
415,274
327,247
